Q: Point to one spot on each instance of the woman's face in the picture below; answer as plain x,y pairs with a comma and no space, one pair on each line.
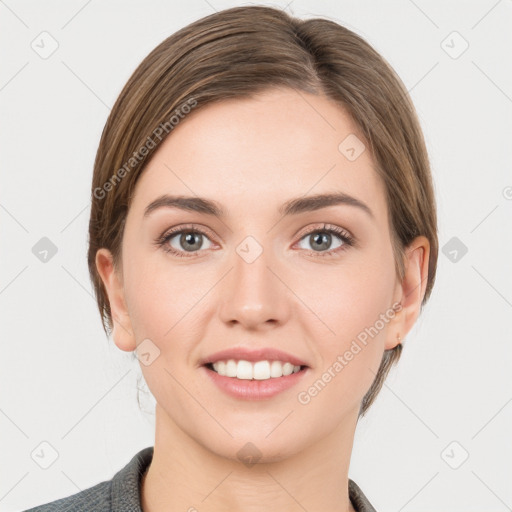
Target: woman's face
262,275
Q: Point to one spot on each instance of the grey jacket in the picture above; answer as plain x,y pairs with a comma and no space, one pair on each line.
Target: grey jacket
122,493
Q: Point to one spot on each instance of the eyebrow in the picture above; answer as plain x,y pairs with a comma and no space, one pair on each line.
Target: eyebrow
291,207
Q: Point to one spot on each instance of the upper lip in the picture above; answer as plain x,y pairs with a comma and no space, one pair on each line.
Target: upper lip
260,354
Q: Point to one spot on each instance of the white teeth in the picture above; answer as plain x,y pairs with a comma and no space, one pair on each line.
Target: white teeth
244,370
260,370
287,368
276,369
231,368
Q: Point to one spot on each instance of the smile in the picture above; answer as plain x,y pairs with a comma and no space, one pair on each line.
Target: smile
257,380
258,370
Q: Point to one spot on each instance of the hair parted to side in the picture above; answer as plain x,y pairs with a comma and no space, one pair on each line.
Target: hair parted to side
242,51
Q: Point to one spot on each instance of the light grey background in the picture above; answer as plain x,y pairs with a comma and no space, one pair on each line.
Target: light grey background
65,384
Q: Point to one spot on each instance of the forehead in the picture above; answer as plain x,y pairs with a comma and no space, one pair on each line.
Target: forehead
264,150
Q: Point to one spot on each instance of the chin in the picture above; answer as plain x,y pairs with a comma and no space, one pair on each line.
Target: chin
254,450
252,445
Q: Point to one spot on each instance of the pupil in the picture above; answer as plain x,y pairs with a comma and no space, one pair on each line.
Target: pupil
189,238
325,240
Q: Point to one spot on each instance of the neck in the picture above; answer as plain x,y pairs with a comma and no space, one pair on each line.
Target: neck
185,475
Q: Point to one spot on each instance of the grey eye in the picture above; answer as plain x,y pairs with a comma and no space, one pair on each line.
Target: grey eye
321,241
188,241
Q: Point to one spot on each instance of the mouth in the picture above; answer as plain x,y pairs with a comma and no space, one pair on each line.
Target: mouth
254,380
254,370
254,374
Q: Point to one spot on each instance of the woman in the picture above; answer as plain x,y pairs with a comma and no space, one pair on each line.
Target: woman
263,235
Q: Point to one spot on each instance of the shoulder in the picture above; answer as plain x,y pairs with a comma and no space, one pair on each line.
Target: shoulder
122,492
95,498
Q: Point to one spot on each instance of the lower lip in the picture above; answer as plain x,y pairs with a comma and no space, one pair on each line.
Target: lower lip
254,389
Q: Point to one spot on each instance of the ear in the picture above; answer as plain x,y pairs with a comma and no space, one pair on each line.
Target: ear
122,332
410,291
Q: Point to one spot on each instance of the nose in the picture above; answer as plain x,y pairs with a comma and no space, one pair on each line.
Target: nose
253,294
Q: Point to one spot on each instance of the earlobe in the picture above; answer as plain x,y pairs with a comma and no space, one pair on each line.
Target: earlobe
122,332
395,330
412,290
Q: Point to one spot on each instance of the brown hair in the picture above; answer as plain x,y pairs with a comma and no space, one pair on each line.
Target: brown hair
239,52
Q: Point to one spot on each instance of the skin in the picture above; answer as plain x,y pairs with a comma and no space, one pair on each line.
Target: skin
252,155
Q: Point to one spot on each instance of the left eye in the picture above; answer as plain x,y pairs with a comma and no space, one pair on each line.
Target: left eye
322,240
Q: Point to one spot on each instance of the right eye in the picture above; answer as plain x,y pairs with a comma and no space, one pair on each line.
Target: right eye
182,240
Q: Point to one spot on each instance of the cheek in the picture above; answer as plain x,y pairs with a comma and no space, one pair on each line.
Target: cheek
351,308
162,297
348,299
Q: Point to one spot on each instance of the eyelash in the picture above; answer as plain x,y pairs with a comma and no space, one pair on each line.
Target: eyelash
348,240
